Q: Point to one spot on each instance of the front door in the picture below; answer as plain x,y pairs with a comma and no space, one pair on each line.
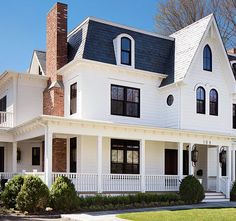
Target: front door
1,159
171,162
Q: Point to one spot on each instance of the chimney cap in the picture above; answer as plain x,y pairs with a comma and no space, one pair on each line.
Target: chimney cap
58,4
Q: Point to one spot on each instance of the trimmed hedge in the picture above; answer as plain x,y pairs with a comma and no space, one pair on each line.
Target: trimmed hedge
233,192
11,191
63,195
34,195
191,191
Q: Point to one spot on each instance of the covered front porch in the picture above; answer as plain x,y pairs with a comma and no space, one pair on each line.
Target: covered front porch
107,158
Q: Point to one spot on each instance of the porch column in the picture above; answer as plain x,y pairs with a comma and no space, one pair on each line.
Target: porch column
48,157
190,165
142,165
229,165
180,160
14,157
218,169
99,161
233,164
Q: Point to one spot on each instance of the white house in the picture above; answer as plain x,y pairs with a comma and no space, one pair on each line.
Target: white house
117,109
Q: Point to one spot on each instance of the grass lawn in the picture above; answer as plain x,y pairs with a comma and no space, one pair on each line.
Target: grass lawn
228,214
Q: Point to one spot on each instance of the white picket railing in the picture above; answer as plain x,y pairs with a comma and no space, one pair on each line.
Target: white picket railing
41,175
223,184
6,119
121,183
162,182
84,182
7,175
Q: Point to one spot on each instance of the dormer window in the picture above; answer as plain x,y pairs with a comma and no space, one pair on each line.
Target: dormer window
124,47
125,51
40,71
207,58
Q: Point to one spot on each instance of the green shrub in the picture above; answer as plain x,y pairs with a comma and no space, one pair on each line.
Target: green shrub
191,191
233,192
34,195
11,191
63,195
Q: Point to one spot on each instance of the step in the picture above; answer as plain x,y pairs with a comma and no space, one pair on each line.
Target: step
215,200
213,193
215,197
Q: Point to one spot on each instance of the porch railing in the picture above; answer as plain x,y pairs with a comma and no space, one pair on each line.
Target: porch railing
223,184
7,175
162,183
6,119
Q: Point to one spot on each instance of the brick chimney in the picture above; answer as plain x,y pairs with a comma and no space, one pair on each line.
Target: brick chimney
56,58
231,51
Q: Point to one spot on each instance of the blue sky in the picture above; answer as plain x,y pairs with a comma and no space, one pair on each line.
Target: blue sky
23,23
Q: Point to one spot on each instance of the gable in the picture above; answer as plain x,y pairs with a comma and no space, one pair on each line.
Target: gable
38,61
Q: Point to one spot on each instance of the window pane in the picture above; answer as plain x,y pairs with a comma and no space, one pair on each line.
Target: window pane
117,107
120,156
129,95
136,96
135,157
129,157
125,58
125,44
114,92
132,109
114,157
120,93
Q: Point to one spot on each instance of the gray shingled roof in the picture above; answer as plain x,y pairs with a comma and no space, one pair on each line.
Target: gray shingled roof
41,55
94,41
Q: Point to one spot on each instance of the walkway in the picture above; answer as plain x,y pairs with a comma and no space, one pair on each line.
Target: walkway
111,215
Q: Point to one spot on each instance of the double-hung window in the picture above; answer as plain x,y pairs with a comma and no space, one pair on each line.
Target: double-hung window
125,51
125,101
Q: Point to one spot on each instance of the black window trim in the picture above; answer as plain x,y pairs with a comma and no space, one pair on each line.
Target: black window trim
204,101
207,47
125,89
125,149
126,51
217,103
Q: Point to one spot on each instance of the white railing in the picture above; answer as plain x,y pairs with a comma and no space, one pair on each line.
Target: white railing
162,182
121,183
41,175
84,182
6,119
223,184
7,175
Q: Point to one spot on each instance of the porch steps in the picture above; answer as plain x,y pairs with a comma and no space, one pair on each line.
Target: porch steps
214,197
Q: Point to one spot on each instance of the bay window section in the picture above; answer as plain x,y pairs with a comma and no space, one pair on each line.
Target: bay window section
125,101
124,156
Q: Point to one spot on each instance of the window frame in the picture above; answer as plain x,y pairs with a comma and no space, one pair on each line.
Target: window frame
214,112
126,51
207,58
37,163
125,88
204,101
125,150
71,98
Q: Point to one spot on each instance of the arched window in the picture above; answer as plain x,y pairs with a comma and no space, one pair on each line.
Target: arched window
213,102
125,51
207,58
201,100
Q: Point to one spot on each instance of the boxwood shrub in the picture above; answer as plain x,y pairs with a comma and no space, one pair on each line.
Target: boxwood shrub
11,191
191,191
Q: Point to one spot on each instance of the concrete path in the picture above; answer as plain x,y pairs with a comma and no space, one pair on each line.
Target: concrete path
111,215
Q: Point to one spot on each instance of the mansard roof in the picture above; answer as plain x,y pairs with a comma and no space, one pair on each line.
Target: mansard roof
93,40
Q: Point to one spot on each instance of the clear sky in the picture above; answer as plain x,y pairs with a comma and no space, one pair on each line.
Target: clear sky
23,23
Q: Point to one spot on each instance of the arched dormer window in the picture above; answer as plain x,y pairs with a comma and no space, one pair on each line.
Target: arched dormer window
201,100
126,50
124,47
207,58
213,102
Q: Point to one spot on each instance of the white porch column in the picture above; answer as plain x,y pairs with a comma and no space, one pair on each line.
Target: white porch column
14,157
229,165
233,164
190,165
180,160
99,161
48,157
142,165
218,169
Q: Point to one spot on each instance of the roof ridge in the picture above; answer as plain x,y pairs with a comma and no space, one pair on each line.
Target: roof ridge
39,51
194,23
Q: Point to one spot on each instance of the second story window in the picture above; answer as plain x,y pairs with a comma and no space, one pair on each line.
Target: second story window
201,100
73,98
125,101
207,58
213,102
234,116
125,51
